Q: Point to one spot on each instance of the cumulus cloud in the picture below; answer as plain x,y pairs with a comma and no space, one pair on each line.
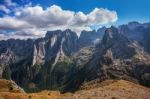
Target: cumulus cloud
52,16
22,34
102,16
13,23
56,16
37,20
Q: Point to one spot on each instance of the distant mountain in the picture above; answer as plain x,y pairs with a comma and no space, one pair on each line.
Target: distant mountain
88,38
137,32
63,61
118,57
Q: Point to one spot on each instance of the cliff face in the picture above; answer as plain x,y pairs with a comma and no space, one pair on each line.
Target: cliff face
138,33
29,61
56,45
120,58
13,55
88,38
15,50
62,60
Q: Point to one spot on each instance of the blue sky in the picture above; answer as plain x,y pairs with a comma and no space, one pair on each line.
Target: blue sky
127,10
28,14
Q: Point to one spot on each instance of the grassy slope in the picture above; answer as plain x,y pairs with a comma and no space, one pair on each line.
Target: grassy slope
106,90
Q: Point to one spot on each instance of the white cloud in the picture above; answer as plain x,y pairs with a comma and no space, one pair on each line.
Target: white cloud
13,23
35,20
52,16
23,34
102,16
4,9
96,17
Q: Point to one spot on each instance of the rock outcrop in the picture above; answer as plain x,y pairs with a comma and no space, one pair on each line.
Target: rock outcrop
88,38
119,58
10,86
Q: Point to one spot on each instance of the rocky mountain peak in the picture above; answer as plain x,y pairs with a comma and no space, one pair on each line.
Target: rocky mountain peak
101,29
49,34
88,38
110,34
121,46
56,45
133,23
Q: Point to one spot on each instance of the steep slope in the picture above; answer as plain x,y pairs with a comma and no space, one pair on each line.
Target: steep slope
10,86
44,59
137,32
14,55
111,89
52,57
88,38
11,49
56,44
10,90
119,58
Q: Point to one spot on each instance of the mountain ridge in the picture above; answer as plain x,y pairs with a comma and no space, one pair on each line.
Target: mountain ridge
63,61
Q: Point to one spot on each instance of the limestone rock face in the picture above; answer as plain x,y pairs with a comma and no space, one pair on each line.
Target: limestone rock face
56,44
119,58
27,61
12,51
138,33
88,38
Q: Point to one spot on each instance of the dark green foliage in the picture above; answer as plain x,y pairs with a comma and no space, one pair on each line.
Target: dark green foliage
60,74
7,73
55,79
63,67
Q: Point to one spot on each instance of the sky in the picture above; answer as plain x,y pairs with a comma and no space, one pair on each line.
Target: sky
32,18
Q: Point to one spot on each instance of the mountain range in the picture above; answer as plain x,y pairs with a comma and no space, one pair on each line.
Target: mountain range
63,61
